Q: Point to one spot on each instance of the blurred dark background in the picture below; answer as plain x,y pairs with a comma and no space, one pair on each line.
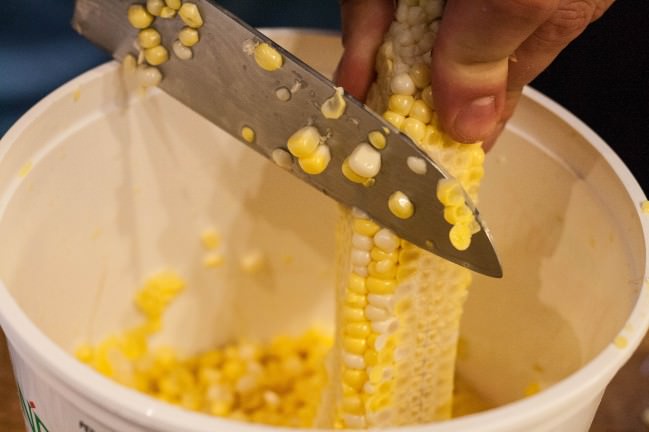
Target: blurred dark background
602,77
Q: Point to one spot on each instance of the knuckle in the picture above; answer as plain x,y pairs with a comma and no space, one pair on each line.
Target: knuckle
568,21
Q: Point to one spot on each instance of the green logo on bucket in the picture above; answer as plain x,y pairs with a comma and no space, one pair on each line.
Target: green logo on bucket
35,422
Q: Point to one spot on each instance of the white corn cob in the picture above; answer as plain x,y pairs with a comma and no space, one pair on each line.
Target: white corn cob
399,307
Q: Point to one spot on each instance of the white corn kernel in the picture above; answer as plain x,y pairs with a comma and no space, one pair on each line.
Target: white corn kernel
282,158
148,76
402,84
417,165
386,240
181,51
365,160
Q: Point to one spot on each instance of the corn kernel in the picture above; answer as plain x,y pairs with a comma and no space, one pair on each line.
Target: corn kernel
354,378
357,284
401,104
173,4
166,12
181,51
267,57
460,236
421,111
148,38
395,119
414,128
354,345
154,6
304,142
156,55
365,160
365,227
350,174
420,74
380,286
190,15
400,205
353,314
188,36
139,17
359,330
316,162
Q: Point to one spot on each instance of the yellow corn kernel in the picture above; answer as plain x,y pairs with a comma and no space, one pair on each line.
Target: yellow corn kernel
188,36
380,286
357,284
316,162
400,104
354,378
365,227
421,112
173,4
458,214
148,38
166,12
190,15
353,404
351,175
356,300
460,236
400,205
247,134
395,119
334,107
354,345
414,128
380,255
267,57
359,330
156,55
377,139
304,142
139,17
353,314
449,192
154,6
420,74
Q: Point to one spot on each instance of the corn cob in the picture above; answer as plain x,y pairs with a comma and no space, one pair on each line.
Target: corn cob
399,307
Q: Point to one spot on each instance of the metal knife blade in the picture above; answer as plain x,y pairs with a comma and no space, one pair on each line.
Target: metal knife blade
223,83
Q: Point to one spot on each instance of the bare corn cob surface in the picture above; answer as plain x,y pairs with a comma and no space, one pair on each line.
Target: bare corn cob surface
399,309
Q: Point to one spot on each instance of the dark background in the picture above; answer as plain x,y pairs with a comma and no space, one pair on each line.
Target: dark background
602,77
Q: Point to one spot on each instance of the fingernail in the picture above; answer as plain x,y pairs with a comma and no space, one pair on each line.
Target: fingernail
476,120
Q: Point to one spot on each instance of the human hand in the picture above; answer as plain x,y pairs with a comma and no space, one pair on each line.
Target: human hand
485,52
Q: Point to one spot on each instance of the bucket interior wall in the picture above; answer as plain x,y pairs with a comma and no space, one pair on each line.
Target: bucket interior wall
104,190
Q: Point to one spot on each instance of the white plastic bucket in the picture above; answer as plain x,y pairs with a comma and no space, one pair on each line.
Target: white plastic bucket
98,190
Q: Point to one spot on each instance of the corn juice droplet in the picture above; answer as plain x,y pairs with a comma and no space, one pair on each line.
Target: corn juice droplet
248,134
334,107
417,165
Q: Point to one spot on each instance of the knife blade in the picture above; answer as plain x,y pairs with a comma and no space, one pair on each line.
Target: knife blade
223,83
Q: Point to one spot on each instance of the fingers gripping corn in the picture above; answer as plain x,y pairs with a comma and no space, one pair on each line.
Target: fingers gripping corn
399,307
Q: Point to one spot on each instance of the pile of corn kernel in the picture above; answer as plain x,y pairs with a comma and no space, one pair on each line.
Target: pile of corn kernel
276,383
